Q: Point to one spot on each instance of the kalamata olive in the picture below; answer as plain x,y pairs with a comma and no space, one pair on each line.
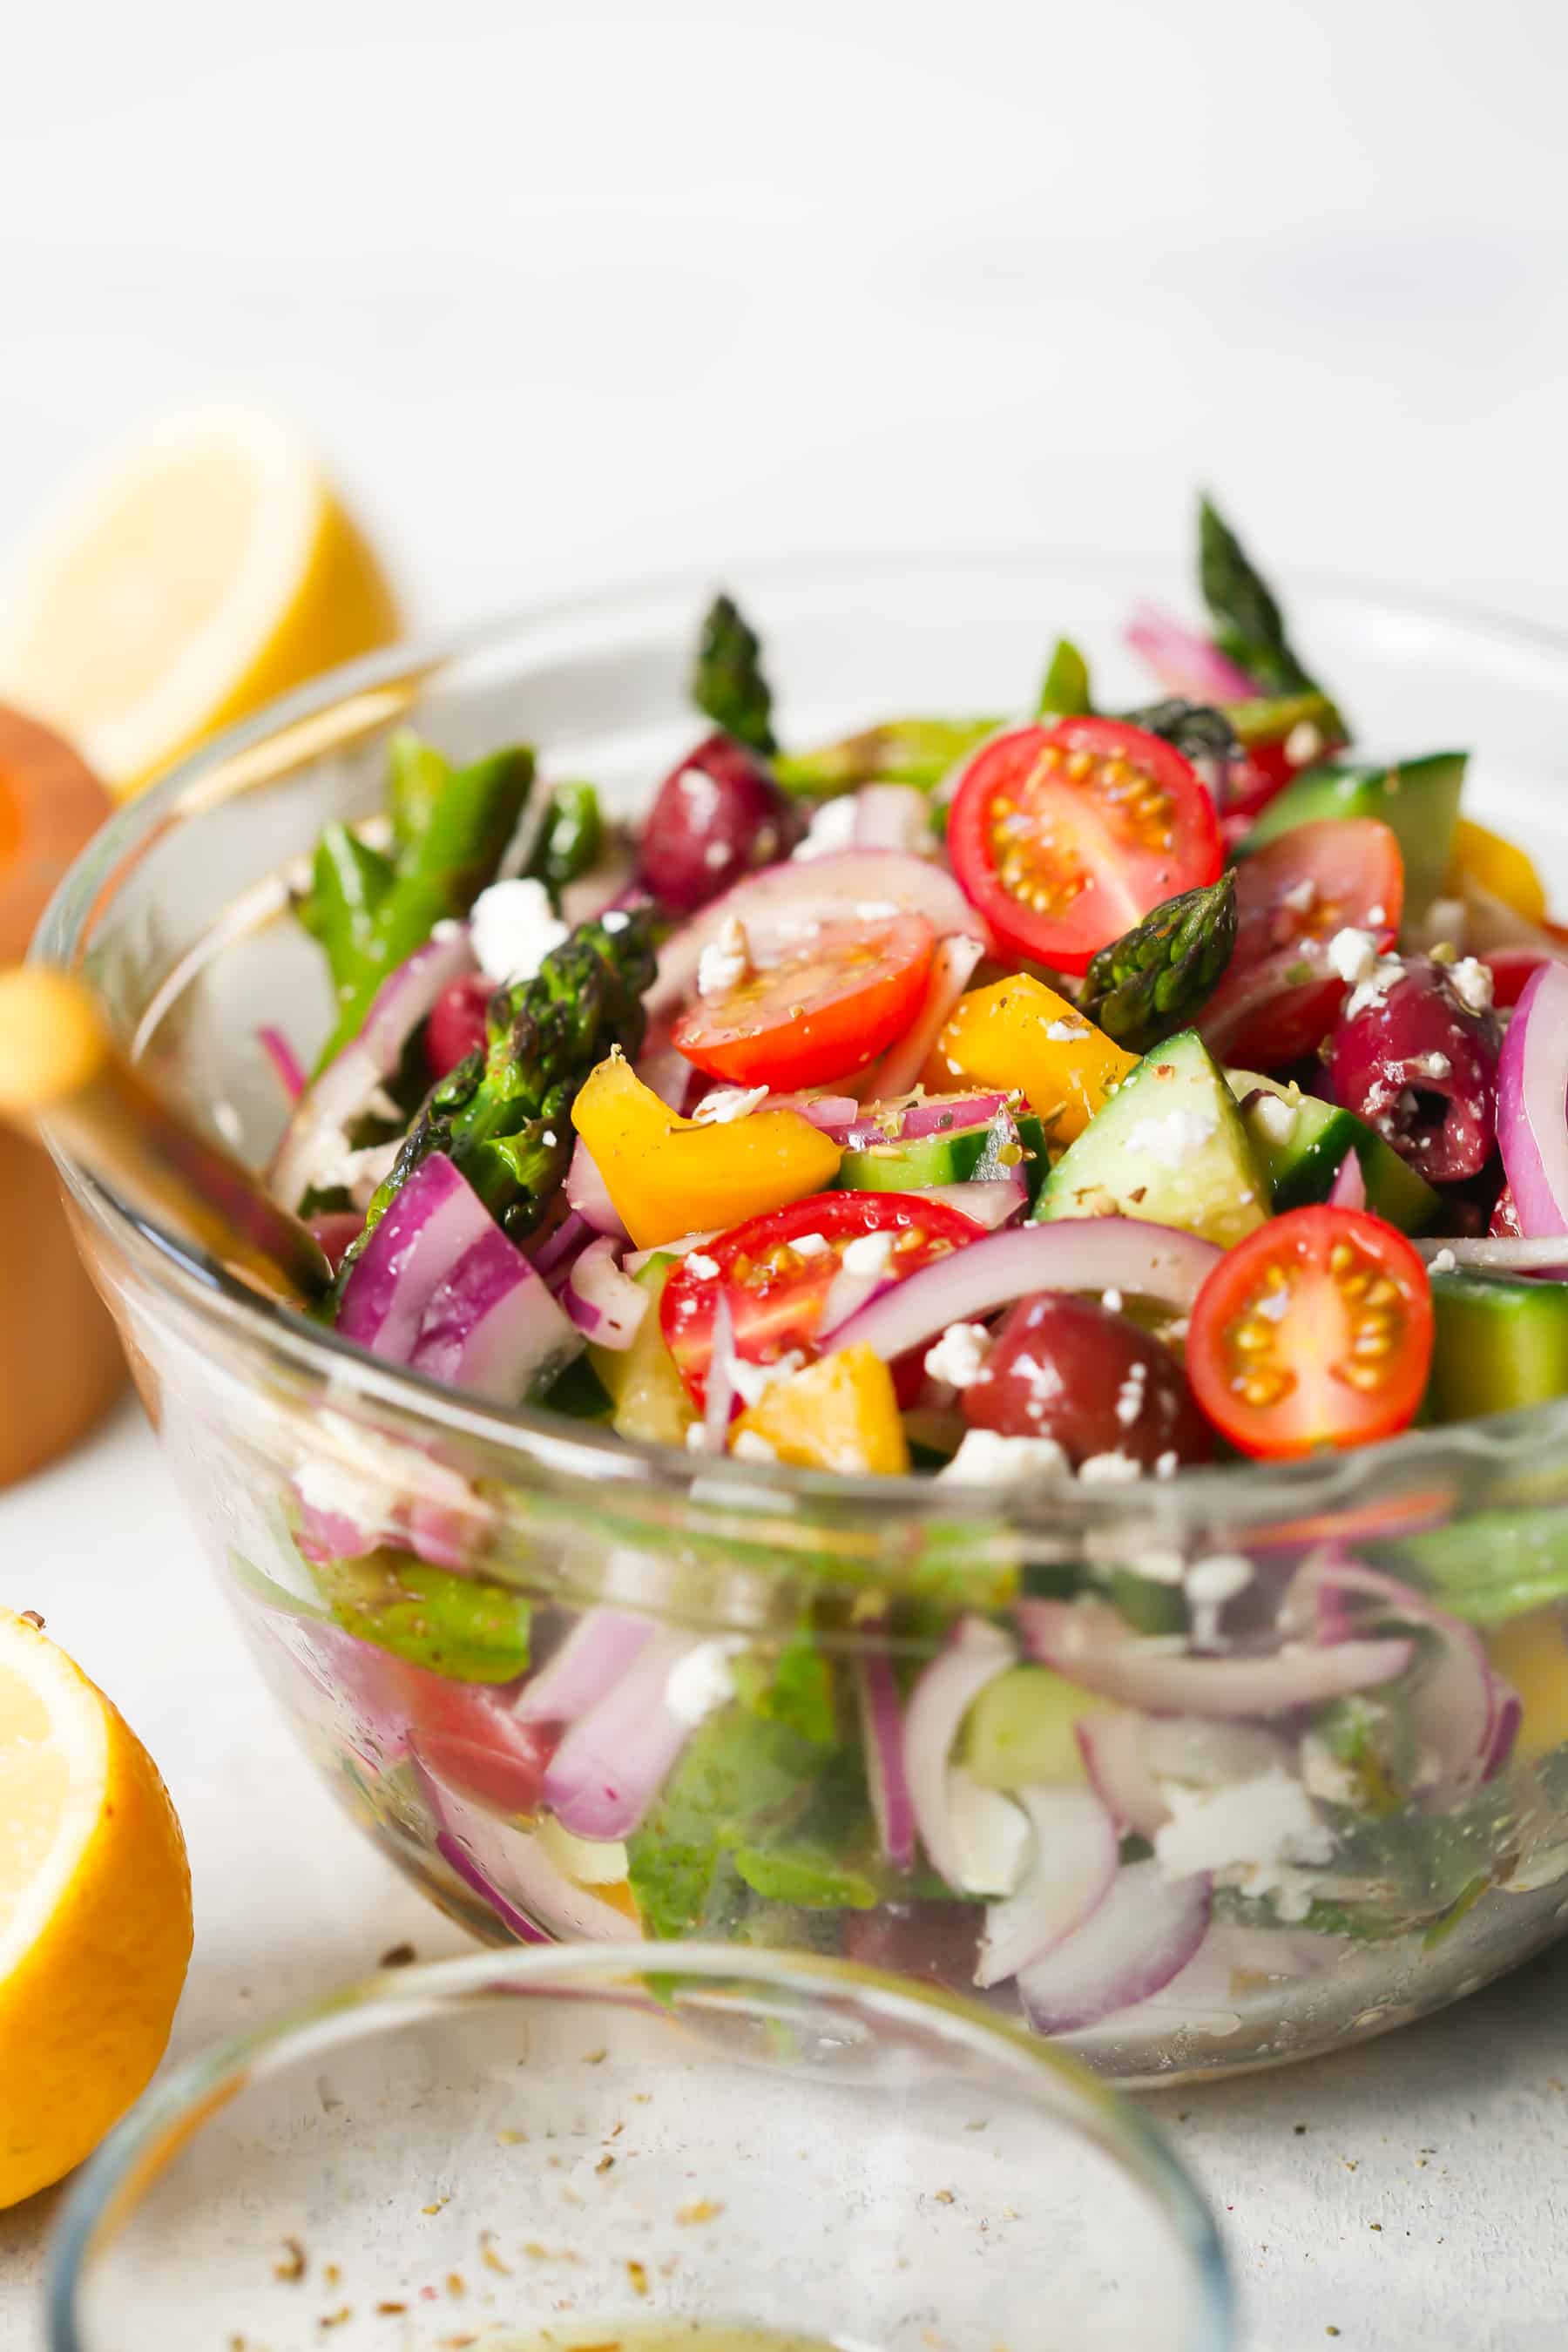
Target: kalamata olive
456,1023
937,1941
714,818
1070,1369
1419,1065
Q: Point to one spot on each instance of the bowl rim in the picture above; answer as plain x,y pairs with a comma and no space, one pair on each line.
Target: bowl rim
1325,1483
103,2197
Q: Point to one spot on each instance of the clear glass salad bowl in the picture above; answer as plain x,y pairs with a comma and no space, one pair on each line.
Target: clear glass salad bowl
1362,1860
573,2147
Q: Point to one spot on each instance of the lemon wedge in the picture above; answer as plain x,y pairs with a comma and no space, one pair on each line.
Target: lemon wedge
184,579
95,1913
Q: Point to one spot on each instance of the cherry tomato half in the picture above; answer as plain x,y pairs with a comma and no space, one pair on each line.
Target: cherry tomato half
1064,837
1280,996
1316,1330
819,1011
776,1289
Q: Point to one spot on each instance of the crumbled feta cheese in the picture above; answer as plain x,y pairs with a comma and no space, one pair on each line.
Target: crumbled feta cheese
1112,1300
992,1834
876,910
832,828
1377,915
727,1103
1167,1465
1275,1118
1432,1066
355,1474
1301,896
513,928
703,1680
1304,744
1173,1138
1444,1263
1210,1583
1331,1782
752,1381
1353,956
702,1266
696,1438
1373,989
867,1254
615,919
1067,1032
358,1173
1471,981
1130,1396
959,1357
725,962
1135,1544
751,1446
447,928
1256,1833
1117,1469
811,1244
986,1459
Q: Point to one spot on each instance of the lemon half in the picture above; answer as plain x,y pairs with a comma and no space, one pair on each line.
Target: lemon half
182,580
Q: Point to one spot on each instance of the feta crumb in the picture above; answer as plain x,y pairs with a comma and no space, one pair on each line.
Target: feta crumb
1331,1782
992,1834
1067,1032
1301,896
513,928
1353,956
832,828
751,1446
1378,915
1210,1583
1275,1118
1116,1469
1471,981
1112,1300
986,1459
703,1266
716,855
752,1381
447,928
1432,1066
1173,1138
615,919
696,1438
959,1356
811,1244
702,1680
1253,1831
1135,1544
725,962
1372,990
359,1173
1444,1263
867,1254
1132,1394
1304,743
727,1103
1167,1465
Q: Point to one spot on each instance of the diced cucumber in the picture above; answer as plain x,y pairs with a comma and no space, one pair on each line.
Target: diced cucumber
1501,1343
1020,1729
1169,1147
1303,1159
646,1390
963,1155
1419,799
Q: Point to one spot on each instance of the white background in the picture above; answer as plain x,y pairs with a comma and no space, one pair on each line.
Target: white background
634,292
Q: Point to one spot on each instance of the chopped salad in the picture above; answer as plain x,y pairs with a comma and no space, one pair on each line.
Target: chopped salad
1065,1098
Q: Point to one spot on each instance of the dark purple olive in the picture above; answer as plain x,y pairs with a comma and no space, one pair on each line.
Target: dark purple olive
1067,1368
1421,1067
717,817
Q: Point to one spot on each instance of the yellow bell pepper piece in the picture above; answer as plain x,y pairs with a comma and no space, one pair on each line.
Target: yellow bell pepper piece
1496,865
1531,1653
1019,1033
837,1414
670,1176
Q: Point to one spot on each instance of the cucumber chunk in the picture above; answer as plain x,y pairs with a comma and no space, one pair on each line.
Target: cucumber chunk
1020,1729
1501,1343
1419,799
645,1388
964,1155
1302,1160
1170,1147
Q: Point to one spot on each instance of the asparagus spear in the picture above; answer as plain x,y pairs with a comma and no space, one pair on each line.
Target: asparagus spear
1149,982
504,1115
1247,624
727,680
370,913
918,751
571,839
1064,692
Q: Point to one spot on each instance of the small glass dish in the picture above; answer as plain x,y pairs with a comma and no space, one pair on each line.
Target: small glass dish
573,2145
1376,1913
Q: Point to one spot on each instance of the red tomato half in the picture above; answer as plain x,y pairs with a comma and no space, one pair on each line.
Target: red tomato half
820,1012
1316,1330
777,1290
1510,967
1064,837
1280,996
469,1734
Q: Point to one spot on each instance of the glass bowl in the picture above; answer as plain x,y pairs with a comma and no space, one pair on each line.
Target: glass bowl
563,2149
1421,1860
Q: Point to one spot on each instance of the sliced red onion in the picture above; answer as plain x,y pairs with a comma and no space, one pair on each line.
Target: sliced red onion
780,907
1348,1189
604,1304
990,1201
953,967
317,1134
719,1401
1183,660
1116,1756
594,1656
835,1115
287,1065
1497,1254
1089,1643
1069,1875
561,1246
893,817
491,1325
420,1240
590,1195
1131,1758
613,1760
1077,1254
941,1114
1507,1714
1532,1102
510,1868
974,1654
882,1741
1147,1929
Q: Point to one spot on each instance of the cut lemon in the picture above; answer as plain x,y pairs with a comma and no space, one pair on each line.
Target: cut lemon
95,1913
182,580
